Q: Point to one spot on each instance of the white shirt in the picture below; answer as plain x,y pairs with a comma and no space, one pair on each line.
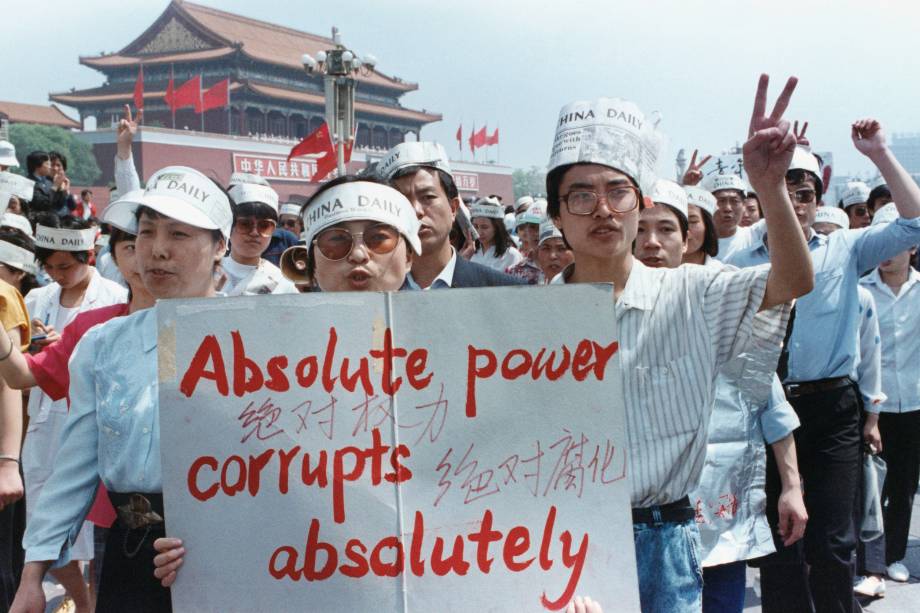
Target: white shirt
899,327
868,367
246,280
743,238
444,279
487,258
109,269
677,328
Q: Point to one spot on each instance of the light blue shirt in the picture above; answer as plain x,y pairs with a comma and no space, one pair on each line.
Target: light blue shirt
899,326
825,335
112,431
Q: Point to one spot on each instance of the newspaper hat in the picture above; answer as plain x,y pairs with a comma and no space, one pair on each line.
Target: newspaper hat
20,222
535,214
524,201
487,207
242,193
8,154
404,155
548,230
728,181
885,214
877,181
701,198
65,239
834,215
180,193
856,192
16,185
17,257
290,208
360,200
670,193
239,178
611,132
803,159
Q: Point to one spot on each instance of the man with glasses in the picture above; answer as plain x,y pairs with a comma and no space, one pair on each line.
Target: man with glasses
676,327
255,218
289,218
855,202
822,348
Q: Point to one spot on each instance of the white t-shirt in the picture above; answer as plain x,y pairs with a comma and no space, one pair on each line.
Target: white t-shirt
487,258
248,280
743,238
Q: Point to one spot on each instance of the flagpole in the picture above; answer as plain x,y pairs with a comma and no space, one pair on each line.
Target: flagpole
229,112
200,101
499,143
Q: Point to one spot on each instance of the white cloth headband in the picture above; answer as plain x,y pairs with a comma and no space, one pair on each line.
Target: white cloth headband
16,256
362,200
63,239
241,193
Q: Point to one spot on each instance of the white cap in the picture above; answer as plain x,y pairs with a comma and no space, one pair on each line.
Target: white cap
523,201
670,193
15,220
16,185
856,192
548,230
17,257
487,207
877,181
536,213
8,154
360,200
180,193
803,159
238,178
65,239
728,181
701,198
242,193
403,155
886,214
290,208
834,215
611,132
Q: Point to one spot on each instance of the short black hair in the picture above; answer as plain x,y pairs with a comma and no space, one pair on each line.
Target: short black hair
116,236
682,221
710,244
797,176
86,191
878,192
57,155
35,159
67,222
146,211
16,237
259,210
447,181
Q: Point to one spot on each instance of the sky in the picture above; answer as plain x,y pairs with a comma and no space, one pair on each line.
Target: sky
513,64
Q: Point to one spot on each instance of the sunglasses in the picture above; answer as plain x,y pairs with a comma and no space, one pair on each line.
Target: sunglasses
338,243
265,227
289,223
803,196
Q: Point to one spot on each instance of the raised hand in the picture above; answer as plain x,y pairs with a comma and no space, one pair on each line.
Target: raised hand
127,128
868,137
768,150
800,137
694,172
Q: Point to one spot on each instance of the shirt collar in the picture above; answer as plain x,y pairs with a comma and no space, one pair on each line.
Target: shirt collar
642,287
148,324
814,240
446,276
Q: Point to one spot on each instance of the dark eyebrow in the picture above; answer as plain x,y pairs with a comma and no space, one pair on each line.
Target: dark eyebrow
611,183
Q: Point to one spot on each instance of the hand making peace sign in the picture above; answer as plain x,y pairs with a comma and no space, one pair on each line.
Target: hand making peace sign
694,172
768,150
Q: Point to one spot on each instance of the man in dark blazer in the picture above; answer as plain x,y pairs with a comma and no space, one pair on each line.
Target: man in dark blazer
421,172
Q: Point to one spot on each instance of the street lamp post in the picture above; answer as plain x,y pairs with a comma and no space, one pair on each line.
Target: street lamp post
337,66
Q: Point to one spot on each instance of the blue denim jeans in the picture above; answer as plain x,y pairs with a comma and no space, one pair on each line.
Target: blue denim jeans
668,562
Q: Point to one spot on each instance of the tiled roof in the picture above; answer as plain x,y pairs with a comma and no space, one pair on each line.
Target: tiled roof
255,39
36,114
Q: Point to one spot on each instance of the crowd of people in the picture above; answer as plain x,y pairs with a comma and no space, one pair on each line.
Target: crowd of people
768,344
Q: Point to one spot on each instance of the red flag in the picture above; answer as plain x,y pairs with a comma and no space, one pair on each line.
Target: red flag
478,139
217,96
460,136
317,141
189,94
492,140
169,95
139,89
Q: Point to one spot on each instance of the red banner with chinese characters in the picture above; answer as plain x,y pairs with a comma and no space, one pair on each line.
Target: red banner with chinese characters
275,167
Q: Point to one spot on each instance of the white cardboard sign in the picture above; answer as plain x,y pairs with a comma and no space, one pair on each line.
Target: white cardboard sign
412,451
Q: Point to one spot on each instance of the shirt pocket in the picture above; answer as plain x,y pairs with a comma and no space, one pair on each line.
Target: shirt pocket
672,398
827,296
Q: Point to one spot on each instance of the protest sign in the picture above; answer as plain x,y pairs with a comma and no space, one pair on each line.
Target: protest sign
396,452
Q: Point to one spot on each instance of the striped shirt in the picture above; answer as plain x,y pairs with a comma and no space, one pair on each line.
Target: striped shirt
677,328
